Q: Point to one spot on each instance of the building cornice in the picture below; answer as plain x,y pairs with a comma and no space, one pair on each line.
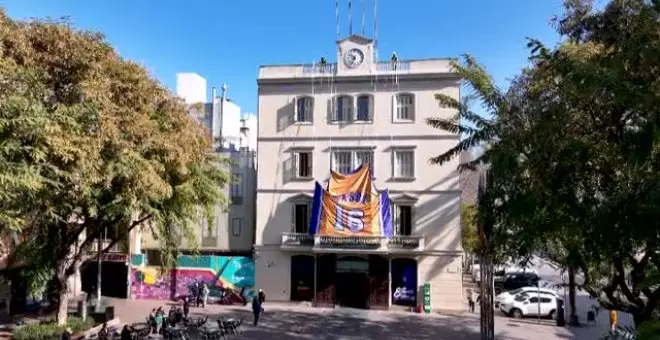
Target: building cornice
349,79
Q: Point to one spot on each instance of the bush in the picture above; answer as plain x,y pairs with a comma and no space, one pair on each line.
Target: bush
50,330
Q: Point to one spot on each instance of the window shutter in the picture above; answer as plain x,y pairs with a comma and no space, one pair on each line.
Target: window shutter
310,167
293,217
393,158
296,164
310,110
295,109
394,110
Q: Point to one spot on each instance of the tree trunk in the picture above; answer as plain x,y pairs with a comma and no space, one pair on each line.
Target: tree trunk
573,318
62,293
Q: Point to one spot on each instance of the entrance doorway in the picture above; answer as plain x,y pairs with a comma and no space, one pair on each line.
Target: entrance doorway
302,278
353,282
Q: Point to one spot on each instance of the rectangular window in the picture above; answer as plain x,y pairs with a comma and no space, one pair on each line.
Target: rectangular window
347,161
303,164
363,104
304,109
206,230
402,219
236,227
343,109
301,218
404,164
405,107
237,190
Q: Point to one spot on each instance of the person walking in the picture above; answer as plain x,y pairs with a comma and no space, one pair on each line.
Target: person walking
262,296
204,290
470,299
104,333
186,307
195,293
256,309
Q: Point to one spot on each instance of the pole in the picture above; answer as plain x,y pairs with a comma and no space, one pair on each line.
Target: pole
538,301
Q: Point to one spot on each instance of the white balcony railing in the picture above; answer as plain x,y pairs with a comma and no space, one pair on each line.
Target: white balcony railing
381,243
380,68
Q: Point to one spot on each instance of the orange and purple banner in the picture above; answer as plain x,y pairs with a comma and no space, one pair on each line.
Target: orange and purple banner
350,206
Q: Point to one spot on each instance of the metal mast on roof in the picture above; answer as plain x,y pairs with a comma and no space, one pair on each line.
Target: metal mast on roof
350,17
376,30
364,32
337,17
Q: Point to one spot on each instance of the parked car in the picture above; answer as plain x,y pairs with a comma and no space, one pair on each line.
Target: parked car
516,280
529,304
507,297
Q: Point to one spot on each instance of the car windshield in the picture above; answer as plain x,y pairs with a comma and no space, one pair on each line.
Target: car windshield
515,291
521,297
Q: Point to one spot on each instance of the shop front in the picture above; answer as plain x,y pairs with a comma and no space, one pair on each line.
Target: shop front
353,280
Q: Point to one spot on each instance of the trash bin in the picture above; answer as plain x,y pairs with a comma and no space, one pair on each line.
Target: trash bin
561,317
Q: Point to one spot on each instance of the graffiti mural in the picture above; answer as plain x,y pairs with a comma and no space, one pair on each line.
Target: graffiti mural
230,278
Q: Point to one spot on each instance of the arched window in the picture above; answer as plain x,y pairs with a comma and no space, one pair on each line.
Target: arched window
304,109
343,109
405,107
364,108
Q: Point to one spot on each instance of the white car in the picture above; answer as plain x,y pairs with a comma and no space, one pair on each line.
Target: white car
507,297
476,269
529,304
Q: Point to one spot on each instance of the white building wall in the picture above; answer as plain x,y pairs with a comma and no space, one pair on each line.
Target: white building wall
191,87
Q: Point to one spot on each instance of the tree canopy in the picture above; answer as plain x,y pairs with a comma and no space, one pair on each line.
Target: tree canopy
90,141
573,151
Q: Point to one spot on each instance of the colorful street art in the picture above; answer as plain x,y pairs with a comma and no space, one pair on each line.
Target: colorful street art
222,274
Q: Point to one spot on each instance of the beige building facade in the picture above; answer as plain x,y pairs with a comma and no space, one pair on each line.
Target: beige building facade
314,118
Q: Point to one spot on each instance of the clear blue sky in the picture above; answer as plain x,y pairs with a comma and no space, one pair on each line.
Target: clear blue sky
226,41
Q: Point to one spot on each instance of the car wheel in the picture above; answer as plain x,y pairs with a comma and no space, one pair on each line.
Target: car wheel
516,313
553,314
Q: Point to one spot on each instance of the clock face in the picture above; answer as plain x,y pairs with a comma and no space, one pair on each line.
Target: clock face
353,58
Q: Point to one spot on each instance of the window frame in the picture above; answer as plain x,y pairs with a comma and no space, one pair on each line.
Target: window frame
395,175
295,154
237,183
349,112
411,107
307,115
395,218
353,158
370,108
294,204
233,226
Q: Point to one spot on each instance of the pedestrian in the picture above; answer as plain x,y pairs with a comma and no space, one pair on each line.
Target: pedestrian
186,307
256,309
195,293
152,320
262,296
126,333
158,319
104,332
613,320
67,334
204,290
470,300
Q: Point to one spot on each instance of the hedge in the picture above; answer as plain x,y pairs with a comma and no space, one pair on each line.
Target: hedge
47,330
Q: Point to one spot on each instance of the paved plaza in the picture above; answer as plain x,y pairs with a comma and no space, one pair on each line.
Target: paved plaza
287,321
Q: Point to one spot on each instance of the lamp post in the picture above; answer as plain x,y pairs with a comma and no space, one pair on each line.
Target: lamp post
99,263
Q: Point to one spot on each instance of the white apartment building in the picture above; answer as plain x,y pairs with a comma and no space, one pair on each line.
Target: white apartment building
314,118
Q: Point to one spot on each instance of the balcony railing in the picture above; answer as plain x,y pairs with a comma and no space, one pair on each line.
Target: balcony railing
381,68
382,243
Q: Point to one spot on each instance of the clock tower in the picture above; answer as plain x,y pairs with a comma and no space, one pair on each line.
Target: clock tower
355,55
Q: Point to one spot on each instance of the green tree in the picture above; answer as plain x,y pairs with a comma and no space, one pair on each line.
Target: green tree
97,145
469,236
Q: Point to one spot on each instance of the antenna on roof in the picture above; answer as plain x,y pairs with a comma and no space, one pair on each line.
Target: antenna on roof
364,33
337,16
350,17
376,30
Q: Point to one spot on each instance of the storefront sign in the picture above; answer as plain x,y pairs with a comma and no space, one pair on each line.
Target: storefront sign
403,294
427,298
115,257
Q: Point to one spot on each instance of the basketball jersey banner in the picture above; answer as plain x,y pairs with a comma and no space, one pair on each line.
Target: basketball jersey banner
350,207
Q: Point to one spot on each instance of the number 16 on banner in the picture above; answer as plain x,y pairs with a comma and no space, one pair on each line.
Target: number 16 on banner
353,220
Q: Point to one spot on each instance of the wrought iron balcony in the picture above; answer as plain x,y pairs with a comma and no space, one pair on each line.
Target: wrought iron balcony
380,243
